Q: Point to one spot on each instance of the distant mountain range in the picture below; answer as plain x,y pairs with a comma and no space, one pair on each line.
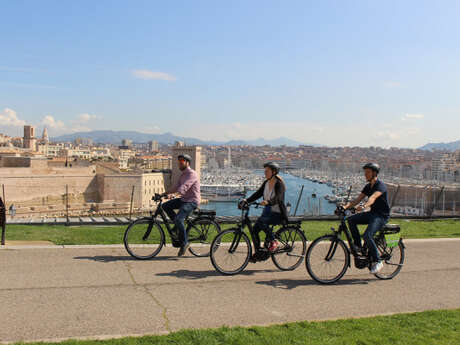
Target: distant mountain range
452,146
115,137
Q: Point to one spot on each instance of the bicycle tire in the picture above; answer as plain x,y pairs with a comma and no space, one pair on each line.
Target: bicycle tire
218,245
286,251
398,265
329,250
203,232
144,224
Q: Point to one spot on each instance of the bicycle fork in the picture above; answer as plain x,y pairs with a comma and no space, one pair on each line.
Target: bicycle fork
235,243
147,233
331,251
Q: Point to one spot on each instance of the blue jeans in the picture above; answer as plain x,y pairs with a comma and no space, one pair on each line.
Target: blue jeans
263,223
376,222
185,208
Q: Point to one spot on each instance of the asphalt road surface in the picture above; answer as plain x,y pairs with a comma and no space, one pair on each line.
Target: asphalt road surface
100,292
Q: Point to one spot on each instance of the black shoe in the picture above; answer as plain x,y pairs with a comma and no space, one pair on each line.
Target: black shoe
176,244
255,257
183,249
359,250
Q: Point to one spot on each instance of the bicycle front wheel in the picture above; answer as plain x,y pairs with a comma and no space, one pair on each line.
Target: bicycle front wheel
200,233
144,238
231,251
327,259
291,250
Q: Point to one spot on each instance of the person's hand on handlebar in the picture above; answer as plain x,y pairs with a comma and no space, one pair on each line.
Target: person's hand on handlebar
346,206
361,208
264,203
242,203
170,195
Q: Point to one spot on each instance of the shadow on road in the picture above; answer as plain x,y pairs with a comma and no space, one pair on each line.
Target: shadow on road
186,274
289,284
112,258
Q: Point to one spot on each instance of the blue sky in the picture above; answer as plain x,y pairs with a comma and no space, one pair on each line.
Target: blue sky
328,72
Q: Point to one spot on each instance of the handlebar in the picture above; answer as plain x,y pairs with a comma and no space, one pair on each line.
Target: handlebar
341,211
158,197
244,205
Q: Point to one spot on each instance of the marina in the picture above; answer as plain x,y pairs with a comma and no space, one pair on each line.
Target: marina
312,201
228,185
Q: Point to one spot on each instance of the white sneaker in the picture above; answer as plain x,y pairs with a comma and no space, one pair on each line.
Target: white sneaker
376,267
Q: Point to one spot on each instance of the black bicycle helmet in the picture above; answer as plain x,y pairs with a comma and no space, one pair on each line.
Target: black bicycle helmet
373,166
274,166
186,157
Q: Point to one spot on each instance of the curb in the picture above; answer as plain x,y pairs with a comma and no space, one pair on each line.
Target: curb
107,246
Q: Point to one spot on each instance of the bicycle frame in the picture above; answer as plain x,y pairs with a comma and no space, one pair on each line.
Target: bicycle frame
245,222
343,228
159,212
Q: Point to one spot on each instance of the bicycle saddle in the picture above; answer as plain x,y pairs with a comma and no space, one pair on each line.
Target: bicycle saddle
392,228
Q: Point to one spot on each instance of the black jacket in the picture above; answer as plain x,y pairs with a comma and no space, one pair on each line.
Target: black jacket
277,199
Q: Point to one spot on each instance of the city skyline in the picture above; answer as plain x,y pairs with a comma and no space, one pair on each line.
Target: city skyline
138,137
335,74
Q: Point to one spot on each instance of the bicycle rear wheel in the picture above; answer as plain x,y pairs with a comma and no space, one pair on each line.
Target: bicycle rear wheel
327,259
200,233
144,238
231,251
291,251
392,259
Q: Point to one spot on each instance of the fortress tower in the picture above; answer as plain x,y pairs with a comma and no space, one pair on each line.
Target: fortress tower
30,142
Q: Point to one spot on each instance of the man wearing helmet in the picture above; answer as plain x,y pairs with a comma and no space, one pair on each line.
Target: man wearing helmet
188,189
376,216
272,191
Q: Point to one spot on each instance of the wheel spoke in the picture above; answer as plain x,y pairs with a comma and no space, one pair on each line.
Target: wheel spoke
231,257
143,239
200,234
327,259
292,248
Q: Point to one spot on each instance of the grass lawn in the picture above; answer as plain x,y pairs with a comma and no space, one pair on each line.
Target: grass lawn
60,234
432,327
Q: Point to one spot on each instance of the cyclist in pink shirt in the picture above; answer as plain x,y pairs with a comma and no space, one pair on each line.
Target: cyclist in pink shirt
188,188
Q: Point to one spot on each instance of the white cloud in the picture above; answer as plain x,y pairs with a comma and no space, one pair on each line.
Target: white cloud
85,118
413,117
79,124
50,122
151,75
9,118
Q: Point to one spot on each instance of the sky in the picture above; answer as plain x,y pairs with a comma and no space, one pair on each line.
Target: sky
336,73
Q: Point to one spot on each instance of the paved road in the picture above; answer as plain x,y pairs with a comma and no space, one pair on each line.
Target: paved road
54,293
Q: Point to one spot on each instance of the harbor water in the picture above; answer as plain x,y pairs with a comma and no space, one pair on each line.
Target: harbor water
312,201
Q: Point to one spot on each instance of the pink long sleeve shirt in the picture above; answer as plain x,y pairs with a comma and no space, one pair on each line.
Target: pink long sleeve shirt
188,186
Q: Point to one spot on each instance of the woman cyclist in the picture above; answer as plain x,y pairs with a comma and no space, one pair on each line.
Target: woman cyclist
272,191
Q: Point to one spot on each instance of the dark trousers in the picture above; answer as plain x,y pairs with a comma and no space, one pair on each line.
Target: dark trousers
185,208
375,223
263,224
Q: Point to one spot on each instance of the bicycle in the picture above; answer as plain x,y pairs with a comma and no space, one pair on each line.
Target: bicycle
328,257
233,247
144,238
